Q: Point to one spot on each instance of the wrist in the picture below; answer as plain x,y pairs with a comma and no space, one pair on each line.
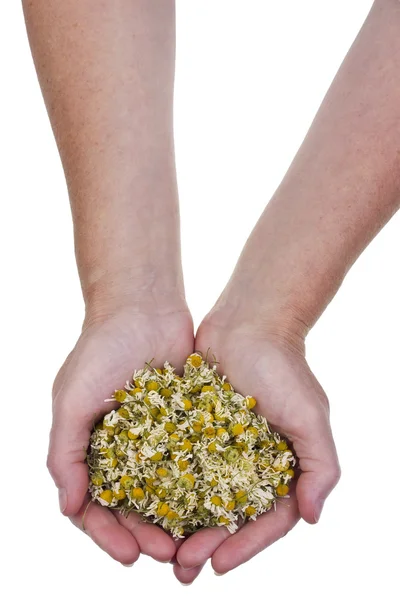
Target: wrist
152,291
133,264
281,285
273,318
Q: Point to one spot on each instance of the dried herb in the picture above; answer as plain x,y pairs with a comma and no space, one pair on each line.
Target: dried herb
187,452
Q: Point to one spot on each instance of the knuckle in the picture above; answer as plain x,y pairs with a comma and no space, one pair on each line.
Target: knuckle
53,466
333,475
313,417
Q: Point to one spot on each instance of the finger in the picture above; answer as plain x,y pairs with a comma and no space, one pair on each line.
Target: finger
256,535
178,543
186,576
102,526
69,439
319,464
151,539
200,546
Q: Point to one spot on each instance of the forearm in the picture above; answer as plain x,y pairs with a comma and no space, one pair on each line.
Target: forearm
106,70
342,187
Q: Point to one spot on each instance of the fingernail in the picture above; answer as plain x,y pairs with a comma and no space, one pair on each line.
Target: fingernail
131,565
186,583
186,568
62,499
218,574
318,509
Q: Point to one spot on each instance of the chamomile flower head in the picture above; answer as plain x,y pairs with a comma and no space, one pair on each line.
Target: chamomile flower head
187,452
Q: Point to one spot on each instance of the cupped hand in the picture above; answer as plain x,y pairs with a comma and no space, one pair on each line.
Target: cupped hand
275,372
103,359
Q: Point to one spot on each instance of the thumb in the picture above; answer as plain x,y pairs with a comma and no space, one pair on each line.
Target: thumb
69,439
319,465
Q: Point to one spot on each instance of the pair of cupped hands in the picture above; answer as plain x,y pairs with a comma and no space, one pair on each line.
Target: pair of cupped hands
265,365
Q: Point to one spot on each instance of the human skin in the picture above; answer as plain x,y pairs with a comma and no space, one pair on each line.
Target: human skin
343,185
106,70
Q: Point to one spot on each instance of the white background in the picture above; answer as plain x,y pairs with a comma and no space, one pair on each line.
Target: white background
250,76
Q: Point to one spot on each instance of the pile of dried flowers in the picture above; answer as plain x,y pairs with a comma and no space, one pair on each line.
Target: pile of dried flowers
187,452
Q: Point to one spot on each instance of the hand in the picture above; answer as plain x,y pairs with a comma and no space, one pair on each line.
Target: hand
104,359
275,372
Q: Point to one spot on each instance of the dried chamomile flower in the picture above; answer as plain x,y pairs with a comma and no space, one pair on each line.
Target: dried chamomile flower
187,452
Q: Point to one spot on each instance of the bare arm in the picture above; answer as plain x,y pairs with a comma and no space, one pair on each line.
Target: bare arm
106,70
341,188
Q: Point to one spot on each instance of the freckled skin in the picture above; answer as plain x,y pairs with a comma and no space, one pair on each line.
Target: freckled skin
111,114
342,187
112,118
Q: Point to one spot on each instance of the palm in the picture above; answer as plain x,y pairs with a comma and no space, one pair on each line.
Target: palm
294,403
103,359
